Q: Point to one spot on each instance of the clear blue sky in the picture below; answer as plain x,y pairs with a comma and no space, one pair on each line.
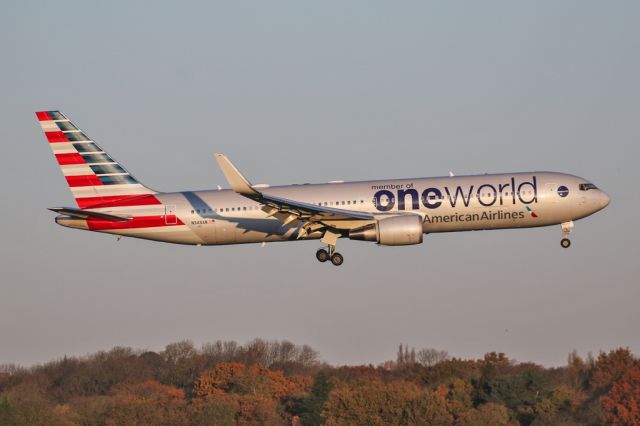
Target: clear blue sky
311,92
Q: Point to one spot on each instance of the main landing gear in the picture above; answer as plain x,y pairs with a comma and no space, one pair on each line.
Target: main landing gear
565,242
323,255
330,238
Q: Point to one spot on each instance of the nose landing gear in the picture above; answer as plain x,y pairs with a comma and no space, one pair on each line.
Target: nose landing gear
567,227
323,255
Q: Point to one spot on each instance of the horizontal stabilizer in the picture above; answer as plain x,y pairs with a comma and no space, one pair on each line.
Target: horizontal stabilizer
85,214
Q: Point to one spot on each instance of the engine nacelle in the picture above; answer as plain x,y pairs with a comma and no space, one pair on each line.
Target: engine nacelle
391,231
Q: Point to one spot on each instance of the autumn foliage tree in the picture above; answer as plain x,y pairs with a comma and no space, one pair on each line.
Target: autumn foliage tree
274,383
370,402
486,414
149,402
249,380
621,405
609,367
251,392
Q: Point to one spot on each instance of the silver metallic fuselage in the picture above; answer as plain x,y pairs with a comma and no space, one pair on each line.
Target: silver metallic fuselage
446,204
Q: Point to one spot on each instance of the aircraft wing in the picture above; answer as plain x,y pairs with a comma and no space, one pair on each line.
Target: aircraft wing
286,209
85,214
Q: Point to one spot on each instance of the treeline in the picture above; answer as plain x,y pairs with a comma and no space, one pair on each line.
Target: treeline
274,383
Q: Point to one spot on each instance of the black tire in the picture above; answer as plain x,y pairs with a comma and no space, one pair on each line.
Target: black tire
337,259
322,255
565,243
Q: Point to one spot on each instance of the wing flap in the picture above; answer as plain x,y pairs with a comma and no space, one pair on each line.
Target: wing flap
313,211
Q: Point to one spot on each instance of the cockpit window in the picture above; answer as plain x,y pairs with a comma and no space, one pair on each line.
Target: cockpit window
587,186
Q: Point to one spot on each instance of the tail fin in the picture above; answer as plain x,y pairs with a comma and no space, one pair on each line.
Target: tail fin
92,175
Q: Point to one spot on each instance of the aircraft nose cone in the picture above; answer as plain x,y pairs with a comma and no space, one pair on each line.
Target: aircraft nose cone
603,200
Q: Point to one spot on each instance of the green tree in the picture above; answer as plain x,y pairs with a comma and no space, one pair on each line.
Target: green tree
518,392
219,411
309,409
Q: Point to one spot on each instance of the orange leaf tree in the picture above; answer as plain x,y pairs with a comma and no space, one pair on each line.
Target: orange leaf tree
249,380
621,405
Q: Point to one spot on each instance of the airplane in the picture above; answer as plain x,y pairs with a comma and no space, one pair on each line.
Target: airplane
389,212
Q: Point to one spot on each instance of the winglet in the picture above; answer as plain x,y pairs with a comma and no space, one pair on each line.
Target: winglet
238,182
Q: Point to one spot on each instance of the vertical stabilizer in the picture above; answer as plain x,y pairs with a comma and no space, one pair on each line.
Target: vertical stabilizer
92,175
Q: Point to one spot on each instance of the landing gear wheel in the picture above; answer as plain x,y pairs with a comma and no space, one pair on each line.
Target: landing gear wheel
565,243
337,259
322,255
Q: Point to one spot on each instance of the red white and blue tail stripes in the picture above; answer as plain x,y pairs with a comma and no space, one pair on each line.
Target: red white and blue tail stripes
92,175
100,183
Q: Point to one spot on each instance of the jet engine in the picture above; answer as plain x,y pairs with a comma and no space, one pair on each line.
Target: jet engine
391,231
